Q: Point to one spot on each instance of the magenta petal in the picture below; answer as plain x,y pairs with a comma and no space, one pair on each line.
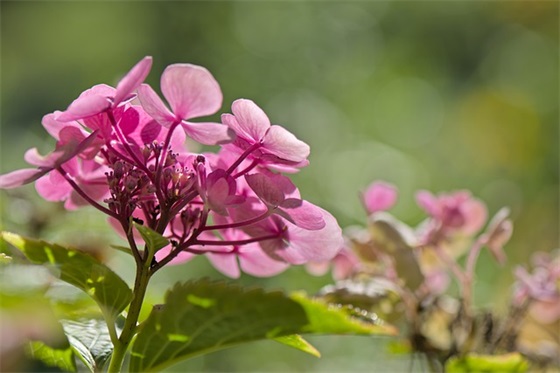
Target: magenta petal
379,196
249,121
154,106
285,145
208,133
83,107
129,121
191,91
18,178
132,80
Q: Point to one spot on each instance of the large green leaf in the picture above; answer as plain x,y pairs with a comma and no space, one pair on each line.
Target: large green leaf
76,268
204,316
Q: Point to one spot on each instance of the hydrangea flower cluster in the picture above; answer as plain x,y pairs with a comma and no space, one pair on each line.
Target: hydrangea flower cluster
122,150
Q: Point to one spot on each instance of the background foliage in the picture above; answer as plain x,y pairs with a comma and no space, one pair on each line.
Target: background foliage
435,95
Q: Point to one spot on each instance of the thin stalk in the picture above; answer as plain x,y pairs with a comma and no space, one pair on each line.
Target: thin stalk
130,326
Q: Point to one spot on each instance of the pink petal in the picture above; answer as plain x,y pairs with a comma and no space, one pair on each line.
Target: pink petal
208,133
129,121
379,196
255,262
250,121
225,263
154,106
475,215
317,245
132,79
191,91
83,107
285,145
266,189
18,178
302,213
54,187
428,202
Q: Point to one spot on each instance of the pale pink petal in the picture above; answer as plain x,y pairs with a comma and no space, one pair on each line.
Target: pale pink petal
318,268
181,258
154,106
250,121
83,107
18,178
317,245
132,79
255,262
379,196
475,215
208,133
225,263
53,187
191,91
302,213
285,145
54,127
428,202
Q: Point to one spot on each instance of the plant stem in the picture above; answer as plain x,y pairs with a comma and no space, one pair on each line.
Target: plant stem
129,330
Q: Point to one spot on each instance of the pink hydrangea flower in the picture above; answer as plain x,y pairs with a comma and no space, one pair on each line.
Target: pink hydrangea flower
269,144
131,163
191,92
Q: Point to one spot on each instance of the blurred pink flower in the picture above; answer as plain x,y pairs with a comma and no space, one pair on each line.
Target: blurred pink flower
379,196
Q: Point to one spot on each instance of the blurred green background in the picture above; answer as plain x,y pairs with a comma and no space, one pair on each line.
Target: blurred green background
436,95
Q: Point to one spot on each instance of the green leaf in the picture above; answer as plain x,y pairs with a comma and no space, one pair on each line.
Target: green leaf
204,316
326,318
90,340
62,358
153,239
506,363
296,341
76,268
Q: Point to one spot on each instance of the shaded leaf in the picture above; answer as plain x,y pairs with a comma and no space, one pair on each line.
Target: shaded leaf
296,341
326,318
396,239
511,362
90,340
62,358
153,239
76,268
